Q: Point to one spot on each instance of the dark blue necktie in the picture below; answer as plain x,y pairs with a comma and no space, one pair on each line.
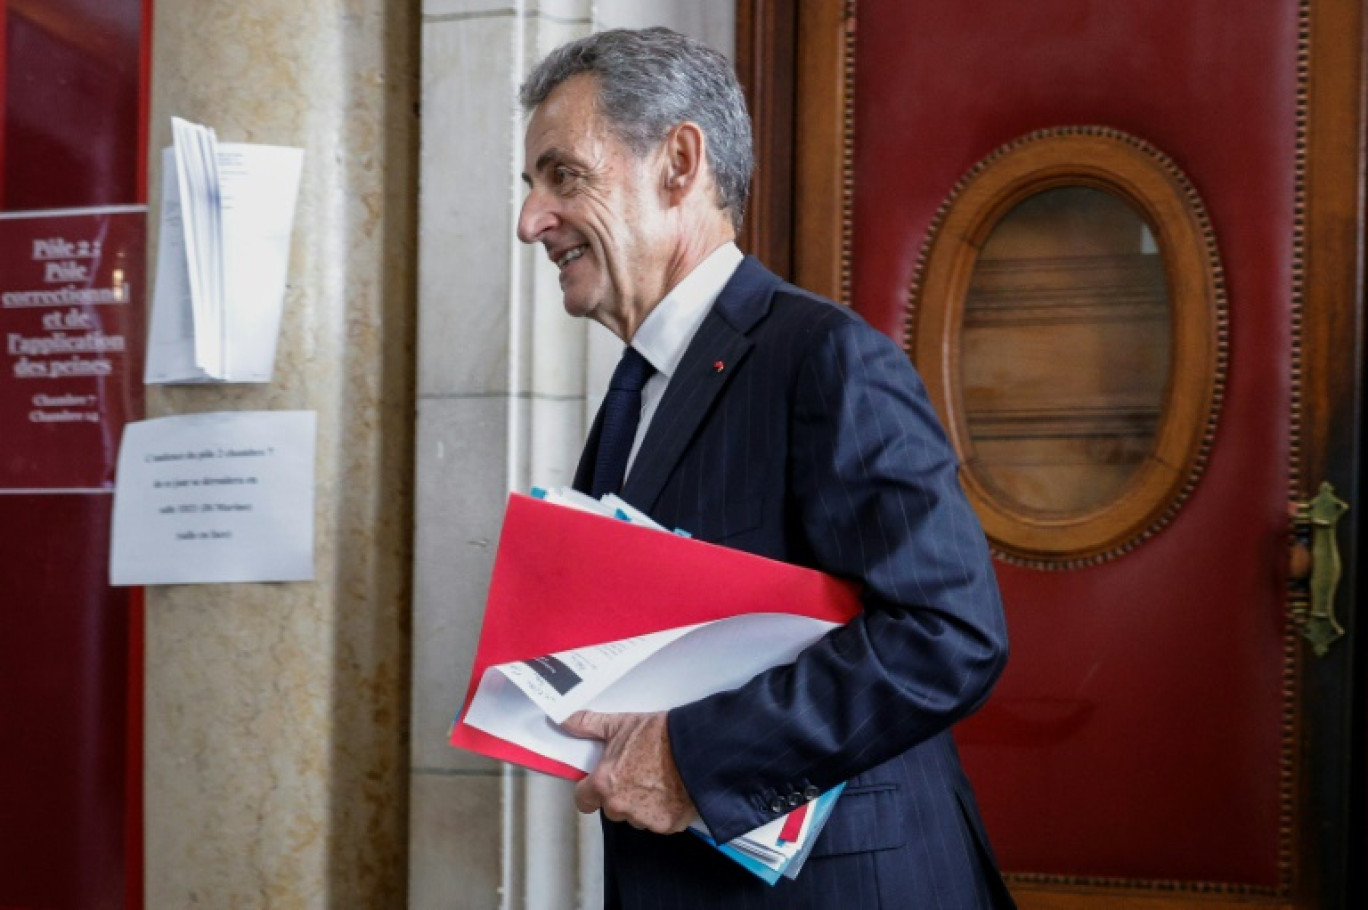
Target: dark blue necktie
621,414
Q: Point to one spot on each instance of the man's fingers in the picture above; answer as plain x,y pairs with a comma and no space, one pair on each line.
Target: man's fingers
587,797
587,725
636,780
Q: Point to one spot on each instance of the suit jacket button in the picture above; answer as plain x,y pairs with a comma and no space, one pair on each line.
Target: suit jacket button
776,805
794,800
811,792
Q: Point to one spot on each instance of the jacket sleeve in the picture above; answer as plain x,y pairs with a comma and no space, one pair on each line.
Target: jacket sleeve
876,498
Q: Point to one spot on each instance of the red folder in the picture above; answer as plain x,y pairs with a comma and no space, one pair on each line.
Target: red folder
567,579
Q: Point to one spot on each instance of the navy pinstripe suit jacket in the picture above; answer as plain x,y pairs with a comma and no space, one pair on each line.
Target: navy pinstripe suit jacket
815,444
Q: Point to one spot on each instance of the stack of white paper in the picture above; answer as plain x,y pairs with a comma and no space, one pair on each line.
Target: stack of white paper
609,505
654,673
222,257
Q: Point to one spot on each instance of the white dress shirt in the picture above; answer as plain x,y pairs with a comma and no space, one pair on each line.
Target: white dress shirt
665,333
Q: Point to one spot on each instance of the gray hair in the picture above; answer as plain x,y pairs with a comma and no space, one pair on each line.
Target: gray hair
652,80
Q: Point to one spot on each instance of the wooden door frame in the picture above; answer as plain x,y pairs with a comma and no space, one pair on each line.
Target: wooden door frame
800,200
796,62
1328,422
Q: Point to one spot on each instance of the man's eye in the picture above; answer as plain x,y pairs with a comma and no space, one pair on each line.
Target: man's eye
562,175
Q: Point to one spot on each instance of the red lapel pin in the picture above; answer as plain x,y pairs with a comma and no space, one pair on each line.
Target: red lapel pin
719,366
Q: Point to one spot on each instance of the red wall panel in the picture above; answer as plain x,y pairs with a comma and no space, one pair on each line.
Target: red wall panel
73,92
74,102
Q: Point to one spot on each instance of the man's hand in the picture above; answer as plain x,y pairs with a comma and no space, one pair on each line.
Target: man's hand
636,781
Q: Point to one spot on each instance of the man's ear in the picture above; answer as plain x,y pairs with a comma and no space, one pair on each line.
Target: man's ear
684,152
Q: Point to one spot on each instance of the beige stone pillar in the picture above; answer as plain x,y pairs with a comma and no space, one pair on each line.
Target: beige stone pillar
277,714
507,387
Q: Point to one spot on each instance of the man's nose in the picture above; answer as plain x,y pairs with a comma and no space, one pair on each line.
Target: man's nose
535,218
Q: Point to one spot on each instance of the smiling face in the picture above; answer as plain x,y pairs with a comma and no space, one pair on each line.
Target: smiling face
601,212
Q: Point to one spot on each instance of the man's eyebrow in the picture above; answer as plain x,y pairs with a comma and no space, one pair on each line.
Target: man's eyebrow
546,159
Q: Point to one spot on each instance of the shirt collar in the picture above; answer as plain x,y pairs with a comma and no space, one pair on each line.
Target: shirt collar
666,332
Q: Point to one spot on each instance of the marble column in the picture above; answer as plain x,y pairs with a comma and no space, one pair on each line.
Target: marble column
277,714
507,385
501,385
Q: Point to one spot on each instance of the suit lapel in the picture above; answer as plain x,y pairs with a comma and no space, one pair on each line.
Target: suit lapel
714,355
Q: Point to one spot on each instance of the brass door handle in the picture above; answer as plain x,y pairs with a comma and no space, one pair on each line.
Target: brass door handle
1317,519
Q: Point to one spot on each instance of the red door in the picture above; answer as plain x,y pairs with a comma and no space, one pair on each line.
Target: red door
1164,733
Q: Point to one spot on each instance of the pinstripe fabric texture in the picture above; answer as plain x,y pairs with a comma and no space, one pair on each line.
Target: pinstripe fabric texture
815,444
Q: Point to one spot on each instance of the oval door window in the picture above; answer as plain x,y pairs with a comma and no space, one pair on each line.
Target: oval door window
1064,352
1070,326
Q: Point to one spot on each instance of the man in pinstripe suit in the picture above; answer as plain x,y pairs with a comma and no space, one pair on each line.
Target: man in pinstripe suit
779,423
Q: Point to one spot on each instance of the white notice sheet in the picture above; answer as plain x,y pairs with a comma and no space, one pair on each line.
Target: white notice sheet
218,497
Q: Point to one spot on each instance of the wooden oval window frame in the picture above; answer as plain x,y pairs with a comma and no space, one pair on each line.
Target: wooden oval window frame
1152,185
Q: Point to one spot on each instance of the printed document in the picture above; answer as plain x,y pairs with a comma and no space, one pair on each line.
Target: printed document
515,705
216,497
522,702
222,258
